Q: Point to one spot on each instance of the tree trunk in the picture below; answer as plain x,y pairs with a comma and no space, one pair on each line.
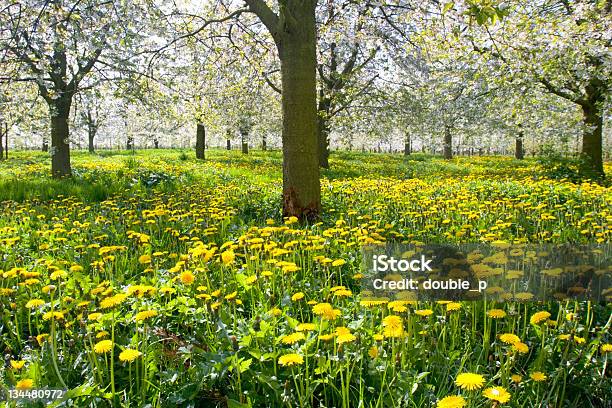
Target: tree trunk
323,130
91,134
297,51
407,146
200,141
264,144
156,143
244,143
519,152
448,143
592,139
60,134
45,145
1,141
130,143
228,145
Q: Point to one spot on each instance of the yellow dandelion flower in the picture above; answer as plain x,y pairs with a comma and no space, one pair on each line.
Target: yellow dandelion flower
297,296
539,317
498,394
103,346
424,312
496,314
144,259
129,355
293,338
17,365
34,303
516,378
145,314
227,257
187,277
305,327
24,384
470,381
373,352
452,401
290,359
393,326
606,348
520,347
538,376
509,338
113,301
338,262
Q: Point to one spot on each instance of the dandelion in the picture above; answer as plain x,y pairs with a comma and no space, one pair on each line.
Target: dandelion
424,312
227,257
452,401
293,338
290,359
113,301
129,355
145,314
606,348
496,314
538,376
24,384
373,352
297,296
344,335
326,311
498,394
17,365
338,262
516,378
520,347
34,303
539,317
509,338
144,259
470,381
305,327
187,277
103,346
393,326
453,306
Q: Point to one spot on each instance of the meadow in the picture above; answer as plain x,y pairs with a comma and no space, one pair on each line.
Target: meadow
155,280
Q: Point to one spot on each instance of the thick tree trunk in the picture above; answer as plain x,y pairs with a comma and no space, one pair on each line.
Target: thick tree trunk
592,139
519,151
91,134
407,145
264,143
130,143
45,145
200,141
228,145
244,143
156,143
297,51
448,143
60,143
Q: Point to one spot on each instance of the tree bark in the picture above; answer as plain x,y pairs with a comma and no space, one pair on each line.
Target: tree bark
2,141
592,139
45,146
60,134
297,51
91,134
228,145
448,143
200,141
407,145
130,143
264,143
156,143
244,143
519,151
323,130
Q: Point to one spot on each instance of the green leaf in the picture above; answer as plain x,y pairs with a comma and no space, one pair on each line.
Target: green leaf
448,6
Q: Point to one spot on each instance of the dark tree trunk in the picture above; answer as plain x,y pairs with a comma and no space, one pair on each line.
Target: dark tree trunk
323,130
297,50
130,143
264,144
407,146
200,141
448,143
91,134
244,143
45,145
519,152
228,145
60,134
2,141
156,143
592,139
